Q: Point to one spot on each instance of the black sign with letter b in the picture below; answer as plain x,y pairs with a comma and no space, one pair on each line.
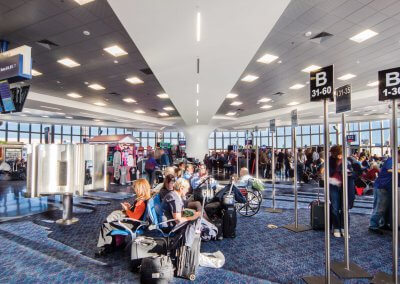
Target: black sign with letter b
321,84
389,84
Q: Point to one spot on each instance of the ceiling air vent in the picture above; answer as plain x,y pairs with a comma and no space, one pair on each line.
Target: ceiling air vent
153,110
240,109
321,37
114,93
147,71
278,94
46,43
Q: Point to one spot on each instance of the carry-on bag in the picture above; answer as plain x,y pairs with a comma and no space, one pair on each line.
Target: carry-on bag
157,270
187,259
143,247
317,214
229,217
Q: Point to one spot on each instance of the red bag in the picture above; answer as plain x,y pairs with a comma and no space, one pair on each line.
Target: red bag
359,190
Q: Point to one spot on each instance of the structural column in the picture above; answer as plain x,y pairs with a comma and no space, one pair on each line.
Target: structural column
197,140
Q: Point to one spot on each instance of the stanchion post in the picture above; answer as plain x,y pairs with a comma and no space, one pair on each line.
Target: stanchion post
257,151
296,227
67,204
347,269
237,156
273,209
247,149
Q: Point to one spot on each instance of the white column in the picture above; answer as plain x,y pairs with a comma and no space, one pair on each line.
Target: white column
197,140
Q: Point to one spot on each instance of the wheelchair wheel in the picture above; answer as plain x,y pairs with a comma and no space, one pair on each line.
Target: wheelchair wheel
252,205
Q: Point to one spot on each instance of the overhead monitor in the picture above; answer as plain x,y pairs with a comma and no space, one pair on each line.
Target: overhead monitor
19,95
6,99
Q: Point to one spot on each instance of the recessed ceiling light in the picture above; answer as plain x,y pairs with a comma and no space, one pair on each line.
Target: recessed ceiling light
293,103
53,108
140,111
264,100
168,108
231,113
249,78
308,34
45,116
36,73
22,114
267,58
355,111
266,106
365,114
69,117
129,100
163,96
83,2
198,26
197,120
231,96
86,33
280,61
74,95
99,104
97,120
363,36
346,77
236,103
373,84
96,87
60,113
68,62
311,68
197,103
163,114
116,61
115,50
134,80
296,86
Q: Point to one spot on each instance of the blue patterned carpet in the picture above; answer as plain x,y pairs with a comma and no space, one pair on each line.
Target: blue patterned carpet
36,250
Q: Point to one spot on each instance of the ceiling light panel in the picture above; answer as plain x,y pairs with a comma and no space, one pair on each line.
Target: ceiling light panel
363,36
231,96
267,58
83,2
36,73
266,106
296,86
115,50
231,113
135,80
68,62
163,96
99,104
96,87
264,100
293,103
163,114
140,111
249,78
311,68
346,77
168,108
74,95
129,100
373,84
236,103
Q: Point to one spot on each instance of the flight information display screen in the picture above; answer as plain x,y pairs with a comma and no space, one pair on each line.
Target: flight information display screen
6,99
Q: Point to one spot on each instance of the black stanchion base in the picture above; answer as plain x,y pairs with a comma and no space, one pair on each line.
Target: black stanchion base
354,270
299,229
67,222
382,278
273,210
321,280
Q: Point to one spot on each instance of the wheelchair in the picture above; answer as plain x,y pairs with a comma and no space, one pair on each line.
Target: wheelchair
253,200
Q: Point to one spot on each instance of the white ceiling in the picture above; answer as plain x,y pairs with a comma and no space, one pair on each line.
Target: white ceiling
165,34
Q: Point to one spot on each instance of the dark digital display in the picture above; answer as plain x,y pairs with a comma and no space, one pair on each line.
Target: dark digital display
19,95
6,98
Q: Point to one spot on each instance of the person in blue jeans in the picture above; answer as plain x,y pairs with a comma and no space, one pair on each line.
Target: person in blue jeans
381,215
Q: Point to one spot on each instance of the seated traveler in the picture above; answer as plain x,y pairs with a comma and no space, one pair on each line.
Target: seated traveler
134,211
188,172
167,171
244,177
168,186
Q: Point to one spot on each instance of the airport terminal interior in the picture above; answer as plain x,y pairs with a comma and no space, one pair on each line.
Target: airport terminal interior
179,141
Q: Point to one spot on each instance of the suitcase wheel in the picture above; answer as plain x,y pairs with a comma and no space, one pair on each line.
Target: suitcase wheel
192,277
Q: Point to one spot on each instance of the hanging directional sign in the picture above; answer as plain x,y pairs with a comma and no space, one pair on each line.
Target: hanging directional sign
272,126
343,99
389,84
321,84
293,115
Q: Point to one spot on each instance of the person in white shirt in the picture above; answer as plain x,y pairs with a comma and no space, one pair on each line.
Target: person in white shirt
5,167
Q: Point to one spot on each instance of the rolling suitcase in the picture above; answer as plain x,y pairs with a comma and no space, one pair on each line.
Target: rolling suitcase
187,259
317,214
229,218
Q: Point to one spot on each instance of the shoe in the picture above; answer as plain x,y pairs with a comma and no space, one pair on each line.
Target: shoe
342,232
100,253
375,231
336,233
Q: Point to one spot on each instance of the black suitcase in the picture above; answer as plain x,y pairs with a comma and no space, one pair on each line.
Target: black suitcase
143,247
187,260
317,215
157,270
229,220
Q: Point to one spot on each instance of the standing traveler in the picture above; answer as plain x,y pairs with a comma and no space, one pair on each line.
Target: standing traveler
149,167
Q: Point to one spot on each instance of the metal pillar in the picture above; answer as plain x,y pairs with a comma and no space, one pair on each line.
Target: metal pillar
382,277
237,156
273,209
296,227
346,269
247,150
328,278
67,218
